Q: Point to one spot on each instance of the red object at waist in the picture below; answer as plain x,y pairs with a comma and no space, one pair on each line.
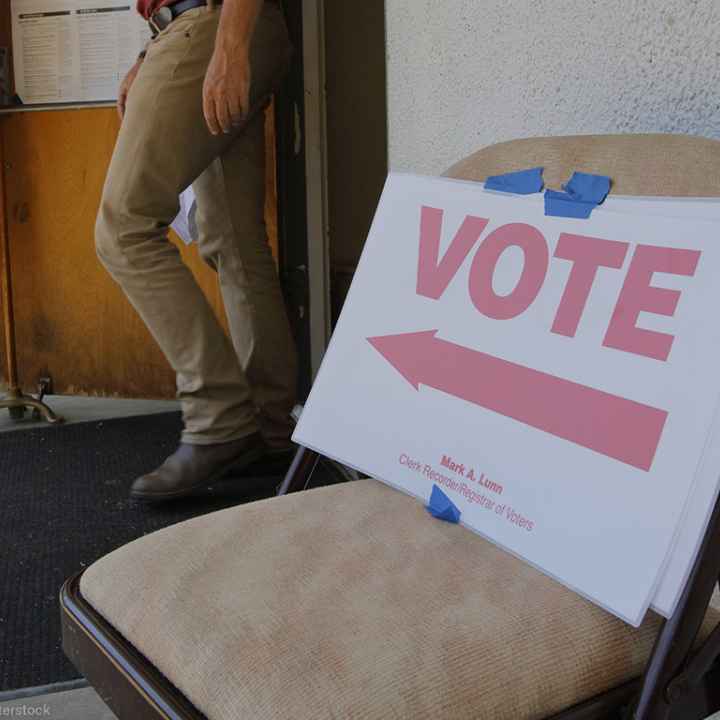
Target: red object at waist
147,7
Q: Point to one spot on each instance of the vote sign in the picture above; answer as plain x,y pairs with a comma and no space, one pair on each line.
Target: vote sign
556,378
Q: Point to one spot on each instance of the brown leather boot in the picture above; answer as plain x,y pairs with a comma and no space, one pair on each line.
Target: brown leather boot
194,467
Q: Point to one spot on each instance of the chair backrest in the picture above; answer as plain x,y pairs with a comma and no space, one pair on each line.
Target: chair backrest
670,165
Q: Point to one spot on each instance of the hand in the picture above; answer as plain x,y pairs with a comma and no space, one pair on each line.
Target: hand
125,86
226,90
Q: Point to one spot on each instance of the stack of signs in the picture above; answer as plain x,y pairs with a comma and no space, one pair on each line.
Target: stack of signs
557,378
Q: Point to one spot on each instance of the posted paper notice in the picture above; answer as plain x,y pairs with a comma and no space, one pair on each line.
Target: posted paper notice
68,51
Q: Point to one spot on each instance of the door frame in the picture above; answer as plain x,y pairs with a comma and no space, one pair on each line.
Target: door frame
303,235
316,174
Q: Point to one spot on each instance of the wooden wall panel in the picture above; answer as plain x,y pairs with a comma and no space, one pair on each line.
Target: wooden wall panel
73,322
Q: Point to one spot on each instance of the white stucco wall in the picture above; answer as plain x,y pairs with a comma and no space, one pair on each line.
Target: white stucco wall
463,74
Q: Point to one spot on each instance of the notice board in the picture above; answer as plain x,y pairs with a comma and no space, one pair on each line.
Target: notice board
556,378
73,51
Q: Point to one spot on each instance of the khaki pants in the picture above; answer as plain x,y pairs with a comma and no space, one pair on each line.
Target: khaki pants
228,390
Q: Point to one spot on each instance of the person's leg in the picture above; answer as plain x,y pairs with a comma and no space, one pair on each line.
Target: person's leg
163,145
233,240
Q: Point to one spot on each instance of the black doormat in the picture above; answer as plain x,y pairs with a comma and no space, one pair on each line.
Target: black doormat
63,504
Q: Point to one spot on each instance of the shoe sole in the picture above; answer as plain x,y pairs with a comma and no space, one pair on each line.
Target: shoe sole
251,457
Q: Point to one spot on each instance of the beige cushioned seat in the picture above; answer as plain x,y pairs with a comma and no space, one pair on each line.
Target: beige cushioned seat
352,602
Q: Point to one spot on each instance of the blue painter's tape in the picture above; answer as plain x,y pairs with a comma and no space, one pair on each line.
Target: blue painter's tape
560,204
442,507
522,182
588,188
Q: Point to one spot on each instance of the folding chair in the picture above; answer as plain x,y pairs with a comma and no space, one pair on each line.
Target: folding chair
349,601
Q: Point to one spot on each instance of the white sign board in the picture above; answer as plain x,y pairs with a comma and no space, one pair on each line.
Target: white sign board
556,378
74,50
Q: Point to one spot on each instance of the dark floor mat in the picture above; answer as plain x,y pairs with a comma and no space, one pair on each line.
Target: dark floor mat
64,503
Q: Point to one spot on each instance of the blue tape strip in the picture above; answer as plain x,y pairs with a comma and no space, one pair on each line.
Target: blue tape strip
588,188
522,182
442,507
560,204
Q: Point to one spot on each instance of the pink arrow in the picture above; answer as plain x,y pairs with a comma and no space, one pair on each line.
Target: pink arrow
614,426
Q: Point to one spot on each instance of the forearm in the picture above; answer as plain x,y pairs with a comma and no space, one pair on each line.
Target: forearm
237,24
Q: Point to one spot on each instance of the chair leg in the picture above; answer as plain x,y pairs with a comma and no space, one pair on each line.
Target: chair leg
300,471
665,682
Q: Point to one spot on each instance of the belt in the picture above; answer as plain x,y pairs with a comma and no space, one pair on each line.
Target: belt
162,17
